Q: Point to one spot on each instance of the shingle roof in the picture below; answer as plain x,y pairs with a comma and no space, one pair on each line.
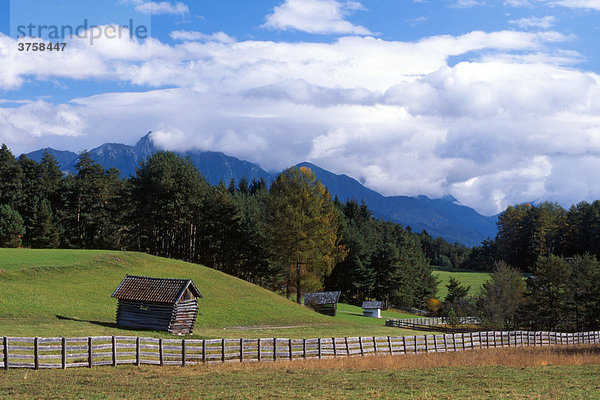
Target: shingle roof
322,298
372,304
154,290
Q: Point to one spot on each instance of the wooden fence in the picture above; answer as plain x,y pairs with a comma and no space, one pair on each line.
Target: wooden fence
29,352
430,321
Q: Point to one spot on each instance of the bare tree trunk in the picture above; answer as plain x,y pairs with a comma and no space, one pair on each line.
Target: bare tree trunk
298,288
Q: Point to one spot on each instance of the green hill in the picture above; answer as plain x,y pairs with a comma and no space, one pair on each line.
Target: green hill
67,293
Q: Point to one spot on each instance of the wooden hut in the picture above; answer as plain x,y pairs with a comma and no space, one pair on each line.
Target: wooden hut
372,309
157,304
323,302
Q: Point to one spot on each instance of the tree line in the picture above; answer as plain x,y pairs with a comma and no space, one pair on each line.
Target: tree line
557,251
290,237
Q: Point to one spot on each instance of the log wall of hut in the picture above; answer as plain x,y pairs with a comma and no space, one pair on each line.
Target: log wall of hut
326,309
176,318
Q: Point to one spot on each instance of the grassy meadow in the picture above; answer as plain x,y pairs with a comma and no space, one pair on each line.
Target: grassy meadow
487,374
466,277
67,293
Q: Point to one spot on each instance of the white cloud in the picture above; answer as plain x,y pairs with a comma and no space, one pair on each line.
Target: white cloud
194,35
584,4
535,22
500,127
160,7
316,16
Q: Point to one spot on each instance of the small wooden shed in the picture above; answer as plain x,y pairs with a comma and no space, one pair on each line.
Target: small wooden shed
157,304
372,308
323,302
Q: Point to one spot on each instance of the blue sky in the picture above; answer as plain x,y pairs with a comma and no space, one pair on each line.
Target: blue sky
492,102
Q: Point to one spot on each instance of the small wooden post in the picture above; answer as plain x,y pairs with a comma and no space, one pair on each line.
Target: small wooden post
114,351
241,350
183,351
63,352
5,351
204,350
138,358
90,352
472,344
222,350
291,349
360,342
480,344
304,348
404,344
258,350
320,352
275,349
426,345
415,338
502,339
435,340
390,344
375,344
347,348
161,352
36,352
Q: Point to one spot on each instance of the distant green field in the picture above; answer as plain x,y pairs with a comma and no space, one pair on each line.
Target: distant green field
466,277
67,293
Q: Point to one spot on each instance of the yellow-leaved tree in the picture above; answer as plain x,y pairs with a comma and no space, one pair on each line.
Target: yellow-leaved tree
302,227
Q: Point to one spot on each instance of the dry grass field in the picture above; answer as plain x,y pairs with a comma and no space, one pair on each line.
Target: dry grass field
530,373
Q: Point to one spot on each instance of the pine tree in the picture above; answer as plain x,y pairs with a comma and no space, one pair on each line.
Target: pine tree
501,297
11,227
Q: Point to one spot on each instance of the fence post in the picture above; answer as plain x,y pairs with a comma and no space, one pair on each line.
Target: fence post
259,355
320,354
63,352
204,350
138,358
183,351
304,348
161,352
5,351
462,336
375,344
241,350
334,347
36,353
291,349
114,351
415,338
90,353
362,353
274,349
223,350
390,344
347,348
472,344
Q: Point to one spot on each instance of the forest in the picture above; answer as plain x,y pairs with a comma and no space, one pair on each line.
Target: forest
293,238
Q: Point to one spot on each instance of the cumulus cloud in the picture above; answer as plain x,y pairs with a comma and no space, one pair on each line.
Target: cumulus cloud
316,16
502,126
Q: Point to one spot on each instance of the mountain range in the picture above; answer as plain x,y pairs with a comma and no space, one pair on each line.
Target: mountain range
439,217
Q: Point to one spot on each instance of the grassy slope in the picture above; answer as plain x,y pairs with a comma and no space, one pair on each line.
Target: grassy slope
466,277
67,293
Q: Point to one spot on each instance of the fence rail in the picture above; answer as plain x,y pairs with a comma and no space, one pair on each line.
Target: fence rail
34,352
431,321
